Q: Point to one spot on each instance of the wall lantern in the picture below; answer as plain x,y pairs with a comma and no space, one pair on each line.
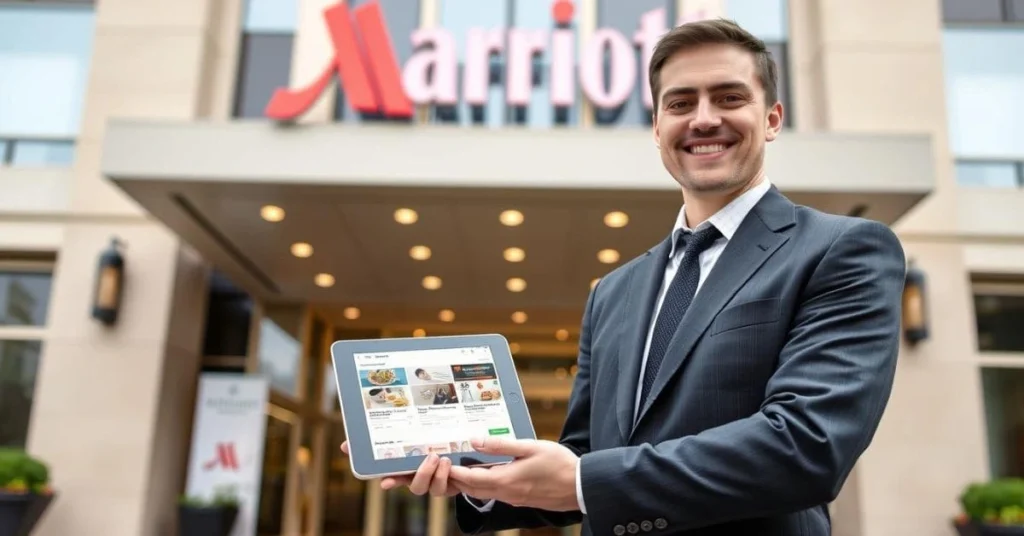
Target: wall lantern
106,301
915,320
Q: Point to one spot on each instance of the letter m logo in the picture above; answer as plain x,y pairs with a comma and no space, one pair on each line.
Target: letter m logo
364,59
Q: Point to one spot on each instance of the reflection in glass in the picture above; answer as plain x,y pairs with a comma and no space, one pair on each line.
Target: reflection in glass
275,477
988,174
43,153
24,298
271,16
19,364
228,318
1004,415
984,82
344,496
280,347
999,319
45,51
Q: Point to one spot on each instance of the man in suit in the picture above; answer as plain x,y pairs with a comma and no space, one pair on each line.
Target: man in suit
730,377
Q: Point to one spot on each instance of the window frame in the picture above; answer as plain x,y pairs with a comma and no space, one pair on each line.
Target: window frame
26,333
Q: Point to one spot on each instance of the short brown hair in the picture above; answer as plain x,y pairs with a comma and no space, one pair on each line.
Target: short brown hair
714,31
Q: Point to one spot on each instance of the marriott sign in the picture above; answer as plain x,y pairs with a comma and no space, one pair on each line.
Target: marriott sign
374,83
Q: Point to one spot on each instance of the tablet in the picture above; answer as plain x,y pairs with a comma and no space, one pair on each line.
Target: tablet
402,399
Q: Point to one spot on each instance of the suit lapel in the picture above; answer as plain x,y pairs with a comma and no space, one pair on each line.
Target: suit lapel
642,292
756,239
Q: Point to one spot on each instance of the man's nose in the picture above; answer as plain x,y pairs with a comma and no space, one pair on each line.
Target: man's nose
706,117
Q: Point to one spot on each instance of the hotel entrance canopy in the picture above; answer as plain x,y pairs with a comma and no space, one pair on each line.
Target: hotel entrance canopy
340,184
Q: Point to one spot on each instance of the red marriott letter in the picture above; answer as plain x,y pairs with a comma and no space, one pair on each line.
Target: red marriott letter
365,61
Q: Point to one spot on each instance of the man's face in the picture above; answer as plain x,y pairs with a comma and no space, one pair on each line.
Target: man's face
712,123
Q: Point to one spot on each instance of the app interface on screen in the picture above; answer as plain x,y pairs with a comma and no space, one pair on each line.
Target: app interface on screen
424,401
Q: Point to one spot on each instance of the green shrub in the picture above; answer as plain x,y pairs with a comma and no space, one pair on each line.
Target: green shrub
999,501
223,497
22,473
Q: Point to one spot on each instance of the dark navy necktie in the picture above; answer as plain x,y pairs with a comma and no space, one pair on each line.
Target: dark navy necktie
677,300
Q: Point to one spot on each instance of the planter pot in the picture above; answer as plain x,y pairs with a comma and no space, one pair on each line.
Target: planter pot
968,528
985,529
214,521
20,512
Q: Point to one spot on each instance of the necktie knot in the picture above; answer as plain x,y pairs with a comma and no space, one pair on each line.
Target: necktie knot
694,243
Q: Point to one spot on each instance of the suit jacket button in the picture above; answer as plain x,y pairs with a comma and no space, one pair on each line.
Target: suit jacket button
633,528
619,530
646,526
660,523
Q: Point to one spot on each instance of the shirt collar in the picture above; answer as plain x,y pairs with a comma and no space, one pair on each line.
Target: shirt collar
728,219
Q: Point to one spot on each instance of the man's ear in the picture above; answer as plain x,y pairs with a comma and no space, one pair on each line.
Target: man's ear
654,129
774,123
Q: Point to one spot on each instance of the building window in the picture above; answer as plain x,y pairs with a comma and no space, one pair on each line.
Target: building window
228,318
1003,390
983,10
999,315
24,305
45,53
991,174
984,81
265,62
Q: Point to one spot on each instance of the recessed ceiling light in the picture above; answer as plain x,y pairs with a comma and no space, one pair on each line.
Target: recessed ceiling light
562,335
351,313
516,284
608,256
519,317
446,315
431,282
420,253
419,332
511,218
406,216
616,219
324,280
272,213
302,250
515,255
593,282
514,347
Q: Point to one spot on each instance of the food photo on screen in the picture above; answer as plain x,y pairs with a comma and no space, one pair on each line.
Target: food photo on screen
424,450
478,391
383,377
388,453
434,395
386,397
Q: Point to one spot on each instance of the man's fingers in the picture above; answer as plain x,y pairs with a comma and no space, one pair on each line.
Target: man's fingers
344,447
475,480
439,485
393,482
421,480
504,447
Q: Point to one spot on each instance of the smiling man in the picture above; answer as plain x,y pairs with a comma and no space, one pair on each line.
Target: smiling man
730,377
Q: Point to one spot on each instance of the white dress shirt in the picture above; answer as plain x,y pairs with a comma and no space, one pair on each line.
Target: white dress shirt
727,221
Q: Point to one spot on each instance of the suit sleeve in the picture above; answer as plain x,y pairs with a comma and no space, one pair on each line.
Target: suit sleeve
821,408
575,436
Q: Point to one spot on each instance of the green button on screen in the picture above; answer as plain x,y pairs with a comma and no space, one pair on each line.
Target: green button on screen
498,431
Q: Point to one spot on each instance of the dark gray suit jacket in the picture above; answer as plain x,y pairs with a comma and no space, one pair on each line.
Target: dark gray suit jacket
771,389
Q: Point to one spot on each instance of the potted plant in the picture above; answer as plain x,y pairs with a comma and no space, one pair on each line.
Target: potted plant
25,492
993,508
214,516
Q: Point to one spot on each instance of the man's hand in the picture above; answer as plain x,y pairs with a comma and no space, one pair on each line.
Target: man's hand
432,477
543,475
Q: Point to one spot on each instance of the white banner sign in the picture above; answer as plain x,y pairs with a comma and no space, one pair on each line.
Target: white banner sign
227,442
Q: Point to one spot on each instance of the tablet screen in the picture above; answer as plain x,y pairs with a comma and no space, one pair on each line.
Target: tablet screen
436,400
